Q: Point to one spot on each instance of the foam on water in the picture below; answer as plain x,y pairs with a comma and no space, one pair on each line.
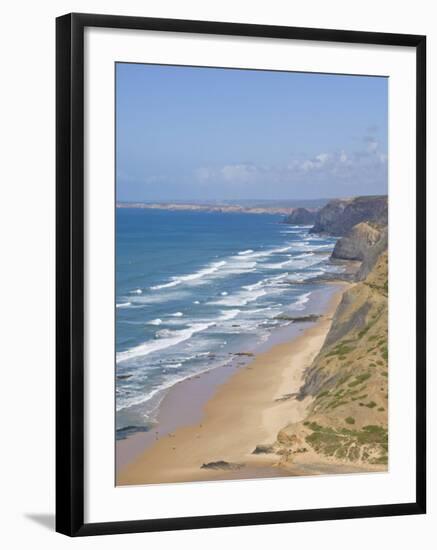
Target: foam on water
172,339
241,298
301,301
159,297
213,268
189,316
166,285
228,315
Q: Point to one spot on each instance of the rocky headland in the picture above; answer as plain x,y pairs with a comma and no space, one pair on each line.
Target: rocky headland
302,216
340,215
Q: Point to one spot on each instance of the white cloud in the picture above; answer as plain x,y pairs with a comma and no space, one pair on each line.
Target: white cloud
204,174
322,158
352,167
229,173
316,163
372,144
308,165
240,173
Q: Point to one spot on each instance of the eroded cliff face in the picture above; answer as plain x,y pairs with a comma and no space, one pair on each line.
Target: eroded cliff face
348,383
340,215
356,245
364,243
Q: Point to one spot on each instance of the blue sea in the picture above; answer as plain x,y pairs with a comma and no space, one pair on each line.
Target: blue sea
192,288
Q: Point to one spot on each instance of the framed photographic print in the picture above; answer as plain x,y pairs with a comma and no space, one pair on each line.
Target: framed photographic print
240,274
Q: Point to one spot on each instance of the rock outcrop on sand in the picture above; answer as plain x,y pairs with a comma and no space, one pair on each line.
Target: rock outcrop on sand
301,216
340,215
222,465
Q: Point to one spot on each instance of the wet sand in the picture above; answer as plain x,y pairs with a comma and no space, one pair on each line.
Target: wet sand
246,408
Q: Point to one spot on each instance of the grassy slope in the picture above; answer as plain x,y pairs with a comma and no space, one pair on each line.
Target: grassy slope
347,420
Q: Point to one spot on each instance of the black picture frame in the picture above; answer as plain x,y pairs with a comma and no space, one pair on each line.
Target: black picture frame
70,273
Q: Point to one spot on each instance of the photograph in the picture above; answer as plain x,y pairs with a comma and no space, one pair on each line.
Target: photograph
215,285
251,274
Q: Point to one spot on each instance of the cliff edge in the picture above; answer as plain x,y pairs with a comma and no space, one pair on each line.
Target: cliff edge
340,215
346,421
364,243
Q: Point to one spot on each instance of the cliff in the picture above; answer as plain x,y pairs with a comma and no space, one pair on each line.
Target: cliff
340,215
301,216
346,421
364,243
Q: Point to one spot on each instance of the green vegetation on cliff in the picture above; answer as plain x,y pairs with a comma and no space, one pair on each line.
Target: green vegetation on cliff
348,381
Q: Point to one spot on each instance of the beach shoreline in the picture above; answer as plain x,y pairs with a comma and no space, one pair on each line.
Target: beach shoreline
243,407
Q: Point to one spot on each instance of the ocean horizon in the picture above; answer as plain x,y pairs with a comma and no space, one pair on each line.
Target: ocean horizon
194,288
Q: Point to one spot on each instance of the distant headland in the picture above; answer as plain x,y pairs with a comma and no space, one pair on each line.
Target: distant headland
244,207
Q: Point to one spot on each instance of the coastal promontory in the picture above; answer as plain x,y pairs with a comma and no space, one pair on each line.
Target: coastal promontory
301,216
347,383
340,215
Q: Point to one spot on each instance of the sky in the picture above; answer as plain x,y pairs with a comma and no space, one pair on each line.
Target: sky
210,134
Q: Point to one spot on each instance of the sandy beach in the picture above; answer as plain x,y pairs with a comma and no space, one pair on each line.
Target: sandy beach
247,410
